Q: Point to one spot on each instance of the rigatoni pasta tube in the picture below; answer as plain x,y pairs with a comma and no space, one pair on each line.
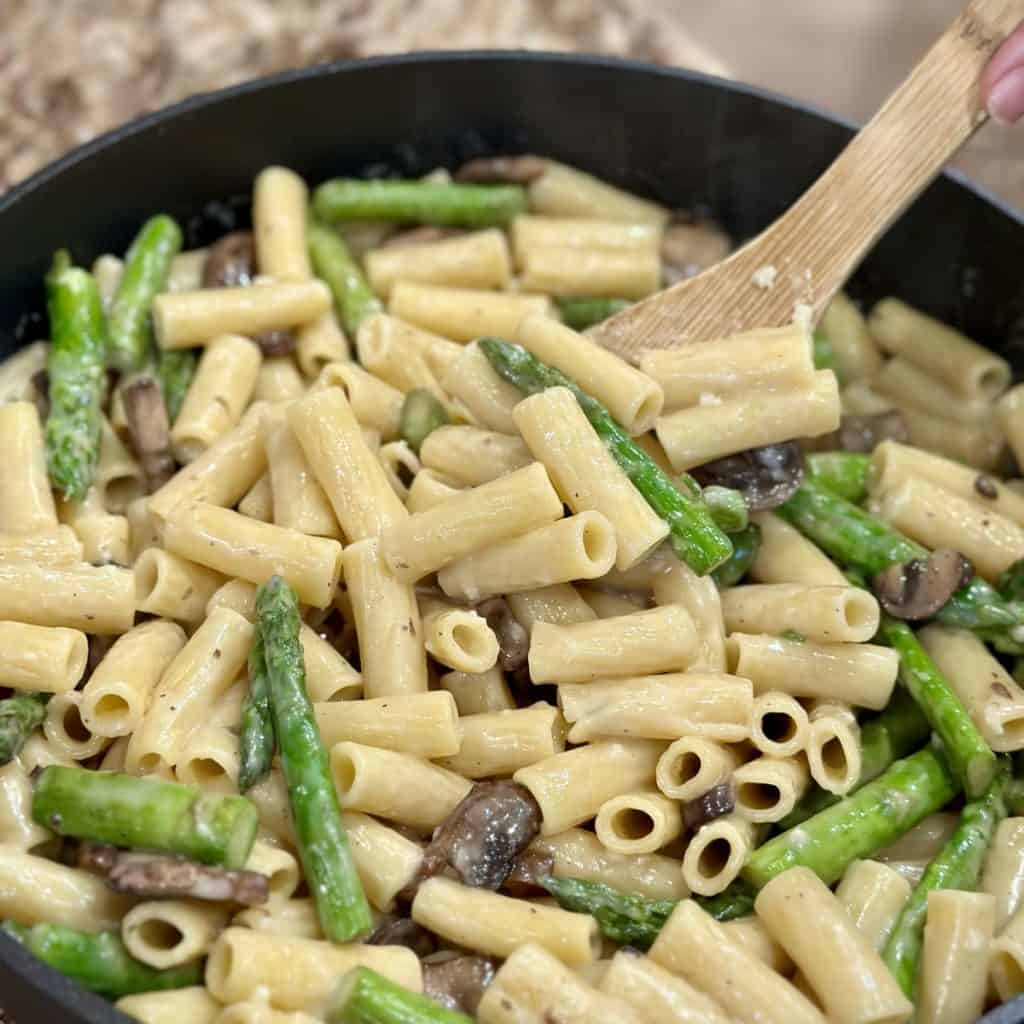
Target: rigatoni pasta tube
954,959
18,830
459,638
860,674
562,270
423,724
298,974
907,384
840,963
292,917
570,787
172,586
579,547
187,319
787,556
26,501
66,732
532,232
471,520
56,545
478,694
1003,875
18,369
106,540
320,343
658,640
501,742
692,765
396,787
609,604
463,313
779,724
238,546
329,677
278,381
387,619
700,597
978,445
830,614
695,946
712,430
41,659
346,469
767,788
169,933
429,488
374,403
473,381
400,464
258,502
193,1004
855,350
388,350
833,748
386,860
239,596
220,390
640,822
715,854
563,191
279,201
210,759
497,925
280,868
873,895
1010,414
473,456
560,604
587,477
1006,967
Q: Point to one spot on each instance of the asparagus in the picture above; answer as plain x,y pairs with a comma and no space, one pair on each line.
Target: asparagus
843,473
421,414
323,845
745,545
858,541
1011,582
20,715
728,508
824,354
695,537
860,824
900,729
99,962
365,997
969,756
581,313
76,373
174,370
146,267
737,900
332,261
145,813
420,202
256,739
956,866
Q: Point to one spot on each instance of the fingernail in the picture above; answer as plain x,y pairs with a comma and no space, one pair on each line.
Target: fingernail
1006,100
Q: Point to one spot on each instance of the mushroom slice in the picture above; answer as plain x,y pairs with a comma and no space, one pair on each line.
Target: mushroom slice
766,477
280,342
231,261
920,588
511,170
689,247
532,865
458,983
864,433
713,804
150,433
513,639
403,931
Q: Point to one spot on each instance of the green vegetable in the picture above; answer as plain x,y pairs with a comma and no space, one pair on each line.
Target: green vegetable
1011,582
174,371
1015,797
323,845
728,508
860,824
146,267
824,354
579,314
419,202
99,962
695,537
145,813
366,997
745,546
76,367
843,473
792,634
969,756
256,741
421,414
856,540
353,299
737,900
956,866
897,731
20,715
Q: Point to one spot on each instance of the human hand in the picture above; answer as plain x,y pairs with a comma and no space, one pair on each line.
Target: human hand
1002,82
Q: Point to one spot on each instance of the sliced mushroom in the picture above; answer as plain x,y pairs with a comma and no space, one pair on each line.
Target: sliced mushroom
531,866
513,639
158,876
713,804
148,429
485,834
985,486
420,236
403,931
766,477
512,170
689,247
276,343
458,983
920,588
231,261
863,433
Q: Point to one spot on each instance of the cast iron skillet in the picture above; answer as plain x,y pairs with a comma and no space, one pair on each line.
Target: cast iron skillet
679,137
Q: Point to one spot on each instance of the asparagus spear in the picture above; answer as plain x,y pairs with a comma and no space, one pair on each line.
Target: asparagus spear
322,842
969,756
824,354
365,997
420,202
843,473
581,313
332,261
99,962
256,739
858,541
745,545
421,414
145,813
897,731
695,537
728,508
20,715
956,866
1011,581
174,370
873,817
78,338
146,266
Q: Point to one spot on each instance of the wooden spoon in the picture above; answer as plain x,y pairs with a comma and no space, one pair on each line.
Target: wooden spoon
792,269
